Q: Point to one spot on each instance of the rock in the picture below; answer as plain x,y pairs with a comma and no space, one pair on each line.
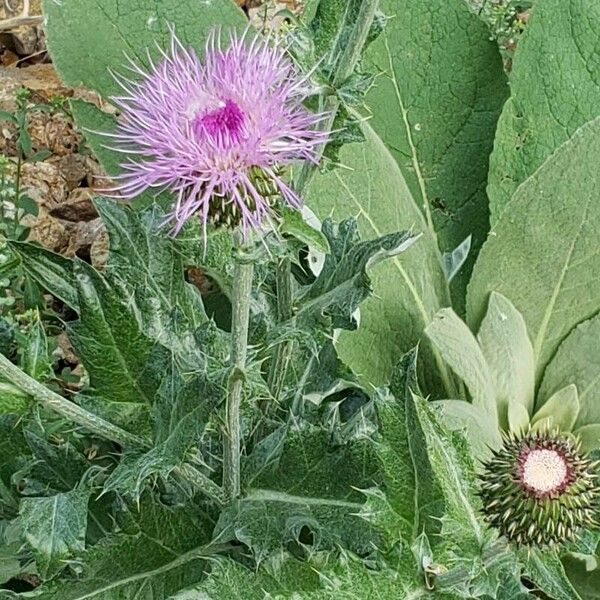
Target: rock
45,184
73,167
270,15
96,177
27,39
61,137
7,57
82,236
99,250
77,207
54,132
65,349
42,80
8,138
49,232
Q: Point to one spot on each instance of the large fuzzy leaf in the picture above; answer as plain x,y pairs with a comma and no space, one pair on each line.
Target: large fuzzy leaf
436,108
543,252
555,83
507,349
577,361
459,348
88,39
409,289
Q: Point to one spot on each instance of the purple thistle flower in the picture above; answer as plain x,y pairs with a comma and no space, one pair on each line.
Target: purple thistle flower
218,132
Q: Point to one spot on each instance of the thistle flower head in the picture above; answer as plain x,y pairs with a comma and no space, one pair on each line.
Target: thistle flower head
538,489
216,132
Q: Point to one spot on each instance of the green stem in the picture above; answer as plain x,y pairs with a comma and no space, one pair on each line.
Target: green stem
243,273
65,408
283,354
17,191
95,424
328,103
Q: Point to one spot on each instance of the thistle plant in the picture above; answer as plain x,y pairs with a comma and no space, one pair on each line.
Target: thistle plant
217,133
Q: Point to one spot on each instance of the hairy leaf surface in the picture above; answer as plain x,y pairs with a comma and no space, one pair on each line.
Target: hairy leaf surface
435,106
544,249
555,83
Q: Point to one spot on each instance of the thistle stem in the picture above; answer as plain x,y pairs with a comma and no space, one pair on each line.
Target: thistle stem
242,282
283,354
66,408
347,58
95,424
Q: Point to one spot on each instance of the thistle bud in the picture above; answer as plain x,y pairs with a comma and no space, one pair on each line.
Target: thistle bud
538,489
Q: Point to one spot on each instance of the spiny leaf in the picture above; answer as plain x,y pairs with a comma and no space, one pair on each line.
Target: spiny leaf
410,486
54,528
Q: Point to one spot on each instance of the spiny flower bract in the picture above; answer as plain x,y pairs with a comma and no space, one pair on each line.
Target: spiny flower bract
216,132
538,489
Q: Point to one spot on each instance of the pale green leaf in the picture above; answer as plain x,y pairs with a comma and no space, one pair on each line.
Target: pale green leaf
505,344
409,289
560,410
543,253
54,528
577,361
518,418
589,435
89,39
436,107
459,348
463,416
555,84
